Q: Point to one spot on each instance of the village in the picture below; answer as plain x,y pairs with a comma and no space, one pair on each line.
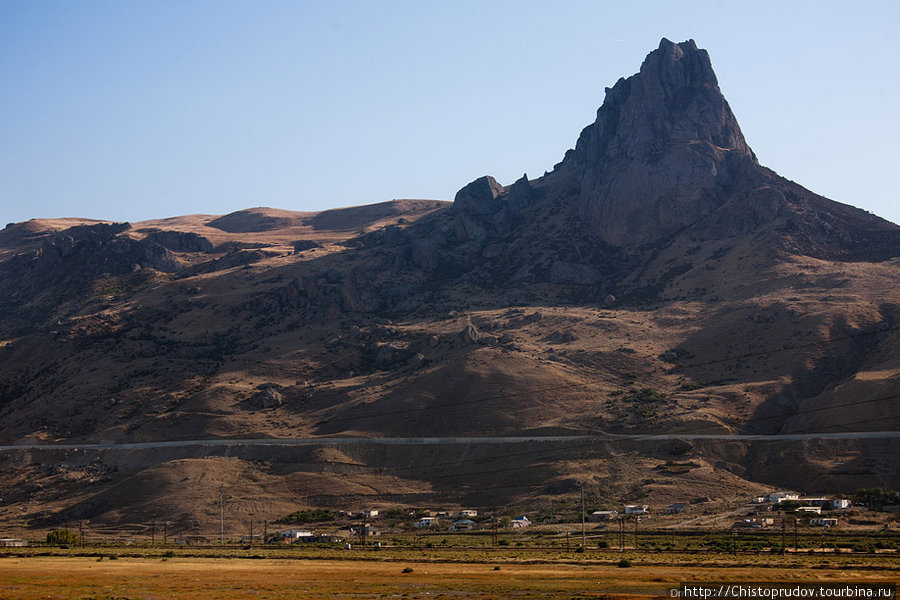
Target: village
774,511
629,526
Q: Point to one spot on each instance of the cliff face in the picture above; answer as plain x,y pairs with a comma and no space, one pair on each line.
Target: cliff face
664,152
666,155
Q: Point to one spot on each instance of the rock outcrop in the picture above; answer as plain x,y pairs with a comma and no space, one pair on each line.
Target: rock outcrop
180,241
664,151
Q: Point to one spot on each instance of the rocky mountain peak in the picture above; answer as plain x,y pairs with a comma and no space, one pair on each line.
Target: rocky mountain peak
663,153
664,149
674,99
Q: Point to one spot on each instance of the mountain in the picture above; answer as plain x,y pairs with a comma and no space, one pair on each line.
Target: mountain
658,280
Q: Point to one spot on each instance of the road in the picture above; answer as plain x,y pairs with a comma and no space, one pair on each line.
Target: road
418,441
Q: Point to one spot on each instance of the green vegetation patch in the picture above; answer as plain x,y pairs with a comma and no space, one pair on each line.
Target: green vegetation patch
316,515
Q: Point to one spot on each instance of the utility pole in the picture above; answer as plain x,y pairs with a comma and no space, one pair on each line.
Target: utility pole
636,521
81,532
251,530
153,531
165,533
795,535
221,517
567,540
783,549
265,531
583,534
621,535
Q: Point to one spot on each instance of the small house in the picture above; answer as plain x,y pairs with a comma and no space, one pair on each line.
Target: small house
520,522
12,543
363,530
426,522
327,539
759,522
779,497
823,522
818,501
467,513
636,509
810,509
368,514
840,503
463,525
676,509
296,534
604,515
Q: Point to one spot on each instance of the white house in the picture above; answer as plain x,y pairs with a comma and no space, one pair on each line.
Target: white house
840,503
604,515
823,522
12,543
426,522
636,509
817,501
817,510
779,497
520,522
295,534
368,514
467,513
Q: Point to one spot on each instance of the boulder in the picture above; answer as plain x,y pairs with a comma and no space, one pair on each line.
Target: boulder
268,396
467,337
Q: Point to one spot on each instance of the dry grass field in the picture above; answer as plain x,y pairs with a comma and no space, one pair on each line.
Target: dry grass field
192,578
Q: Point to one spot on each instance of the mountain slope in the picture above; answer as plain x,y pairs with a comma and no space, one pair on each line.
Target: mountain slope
657,280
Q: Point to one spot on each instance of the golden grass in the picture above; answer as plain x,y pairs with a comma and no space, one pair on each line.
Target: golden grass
222,579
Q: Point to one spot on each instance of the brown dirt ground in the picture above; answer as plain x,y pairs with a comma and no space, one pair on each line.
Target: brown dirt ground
207,579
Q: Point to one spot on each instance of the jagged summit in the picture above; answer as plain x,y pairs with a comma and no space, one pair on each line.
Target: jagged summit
664,150
665,155
674,99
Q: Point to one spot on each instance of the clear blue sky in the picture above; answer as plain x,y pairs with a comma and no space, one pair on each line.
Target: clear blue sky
132,110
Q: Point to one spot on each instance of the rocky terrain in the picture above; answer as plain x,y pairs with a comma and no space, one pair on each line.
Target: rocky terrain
657,280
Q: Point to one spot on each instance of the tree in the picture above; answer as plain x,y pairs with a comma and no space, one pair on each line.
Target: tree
62,537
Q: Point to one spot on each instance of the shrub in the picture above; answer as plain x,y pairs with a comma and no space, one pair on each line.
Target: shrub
407,570
624,563
311,516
